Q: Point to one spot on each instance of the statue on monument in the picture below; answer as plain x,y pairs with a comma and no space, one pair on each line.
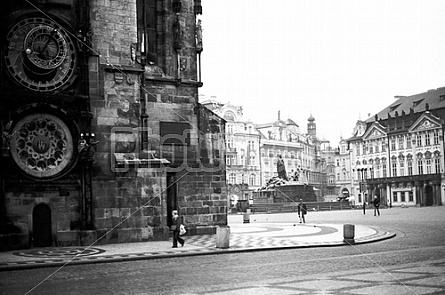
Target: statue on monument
281,169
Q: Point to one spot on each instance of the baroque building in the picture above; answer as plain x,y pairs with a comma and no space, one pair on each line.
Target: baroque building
253,150
398,155
342,177
102,132
301,152
243,170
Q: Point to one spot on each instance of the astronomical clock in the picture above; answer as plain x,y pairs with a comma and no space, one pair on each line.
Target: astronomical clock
40,54
42,146
40,58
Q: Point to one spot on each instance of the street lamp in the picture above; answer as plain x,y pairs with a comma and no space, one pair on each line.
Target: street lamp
363,170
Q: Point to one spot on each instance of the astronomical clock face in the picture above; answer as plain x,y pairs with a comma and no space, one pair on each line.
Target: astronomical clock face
40,54
42,146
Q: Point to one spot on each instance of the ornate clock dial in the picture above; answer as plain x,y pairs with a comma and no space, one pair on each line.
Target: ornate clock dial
42,145
40,54
45,47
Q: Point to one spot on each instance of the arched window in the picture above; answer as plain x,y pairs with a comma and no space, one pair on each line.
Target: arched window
252,178
229,116
232,178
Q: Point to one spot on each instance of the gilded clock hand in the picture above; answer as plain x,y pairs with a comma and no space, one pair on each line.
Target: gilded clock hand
43,50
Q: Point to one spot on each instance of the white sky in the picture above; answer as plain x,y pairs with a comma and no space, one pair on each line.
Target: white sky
338,60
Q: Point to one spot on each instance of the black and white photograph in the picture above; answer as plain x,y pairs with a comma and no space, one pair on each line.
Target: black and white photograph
222,147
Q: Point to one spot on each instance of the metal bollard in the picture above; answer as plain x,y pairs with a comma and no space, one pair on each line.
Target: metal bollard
246,216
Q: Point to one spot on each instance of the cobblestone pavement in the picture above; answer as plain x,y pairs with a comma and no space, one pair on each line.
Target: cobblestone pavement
387,271
243,237
416,278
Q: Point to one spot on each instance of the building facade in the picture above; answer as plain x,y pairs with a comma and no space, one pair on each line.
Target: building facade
102,132
301,153
253,150
398,155
342,177
243,170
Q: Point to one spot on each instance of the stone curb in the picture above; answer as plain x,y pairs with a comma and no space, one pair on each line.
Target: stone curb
10,266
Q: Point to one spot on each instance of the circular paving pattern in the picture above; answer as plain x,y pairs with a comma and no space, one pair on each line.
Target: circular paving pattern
60,252
284,231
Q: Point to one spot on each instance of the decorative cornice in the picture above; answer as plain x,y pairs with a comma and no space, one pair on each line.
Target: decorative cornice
174,81
123,68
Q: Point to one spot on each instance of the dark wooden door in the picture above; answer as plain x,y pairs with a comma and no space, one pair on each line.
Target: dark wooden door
429,195
41,226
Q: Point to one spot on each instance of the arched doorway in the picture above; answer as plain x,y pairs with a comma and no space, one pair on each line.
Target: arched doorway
41,226
429,196
344,196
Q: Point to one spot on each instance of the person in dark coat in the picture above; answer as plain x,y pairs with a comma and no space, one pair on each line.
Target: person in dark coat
302,210
176,225
376,203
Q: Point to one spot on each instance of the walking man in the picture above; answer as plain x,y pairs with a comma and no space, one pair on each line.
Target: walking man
302,210
376,205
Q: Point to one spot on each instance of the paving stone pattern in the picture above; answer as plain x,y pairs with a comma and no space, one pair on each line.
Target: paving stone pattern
416,279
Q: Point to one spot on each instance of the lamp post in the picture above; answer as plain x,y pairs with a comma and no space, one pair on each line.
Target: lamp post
363,171
86,155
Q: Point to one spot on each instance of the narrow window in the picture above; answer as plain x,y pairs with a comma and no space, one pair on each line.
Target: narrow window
428,166
401,143
419,140
437,164
436,138
427,139
394,168
146,28
420,167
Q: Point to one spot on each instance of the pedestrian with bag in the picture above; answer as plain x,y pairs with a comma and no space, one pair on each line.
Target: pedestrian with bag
302,210
176,228
376,203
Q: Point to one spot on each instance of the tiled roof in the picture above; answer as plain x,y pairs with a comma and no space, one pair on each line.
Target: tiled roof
434,98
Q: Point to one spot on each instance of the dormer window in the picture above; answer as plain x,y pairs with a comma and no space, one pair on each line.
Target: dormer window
417,102
394,107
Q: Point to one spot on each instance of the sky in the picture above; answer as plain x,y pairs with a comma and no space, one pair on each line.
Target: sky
338,60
